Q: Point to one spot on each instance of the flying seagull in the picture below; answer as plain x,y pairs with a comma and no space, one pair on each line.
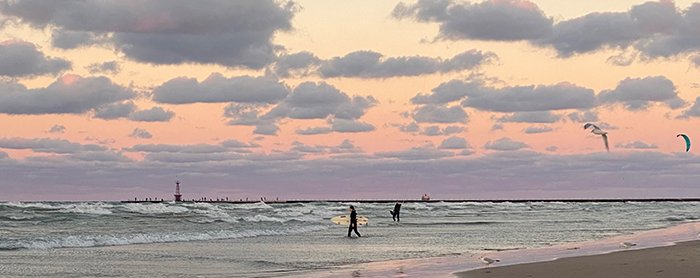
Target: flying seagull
597,131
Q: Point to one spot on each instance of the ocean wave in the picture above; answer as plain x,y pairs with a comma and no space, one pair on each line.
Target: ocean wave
197,205
258,205
86,209
17,217
157,208
214,215
32,205
98,208
680,218
113,240
262,218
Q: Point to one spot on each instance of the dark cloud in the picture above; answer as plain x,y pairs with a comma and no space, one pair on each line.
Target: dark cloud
217,88
165,148
693,111
338,125
434,130
178,158
655,29
508,20
652,29
344,125
510,99
311,100
670,32
243,114
296,64
591,32
344,147
531,98
453,90
48,145
115,110
537,129
637,145
235,144
410,128
584,116
230,145
370,64
266,129
505,144
110,67
141,133
439,114
639,93
19,58
155,114
128,110
229,33
302,148
67,39
70,94
314,130
528,174
453,143
57,129
423,153
531,117
696,61
449,130
100,156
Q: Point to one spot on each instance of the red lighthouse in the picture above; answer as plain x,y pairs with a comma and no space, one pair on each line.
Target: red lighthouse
178,196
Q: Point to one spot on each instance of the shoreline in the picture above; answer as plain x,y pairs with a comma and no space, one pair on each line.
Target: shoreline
666,240
678,261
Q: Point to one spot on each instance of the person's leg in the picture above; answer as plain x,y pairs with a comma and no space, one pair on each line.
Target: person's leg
356,232
393,215
398,218
349,229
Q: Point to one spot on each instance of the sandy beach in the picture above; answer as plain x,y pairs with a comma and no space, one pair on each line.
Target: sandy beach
655,255
680,260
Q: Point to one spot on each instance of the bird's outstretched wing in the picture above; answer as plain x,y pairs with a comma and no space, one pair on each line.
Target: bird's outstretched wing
605,139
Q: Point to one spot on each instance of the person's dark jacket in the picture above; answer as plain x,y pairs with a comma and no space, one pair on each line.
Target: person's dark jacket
353,217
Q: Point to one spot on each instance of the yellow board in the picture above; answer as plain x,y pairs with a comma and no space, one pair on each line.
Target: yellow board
345,220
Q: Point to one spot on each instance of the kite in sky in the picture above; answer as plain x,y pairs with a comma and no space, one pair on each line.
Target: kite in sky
687,141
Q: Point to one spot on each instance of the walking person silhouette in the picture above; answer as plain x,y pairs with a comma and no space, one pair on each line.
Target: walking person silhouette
353,222
395,213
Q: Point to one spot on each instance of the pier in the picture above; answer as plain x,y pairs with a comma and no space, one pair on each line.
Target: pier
423,199
427,201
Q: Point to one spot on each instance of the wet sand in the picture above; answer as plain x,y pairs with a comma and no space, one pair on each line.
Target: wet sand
678,261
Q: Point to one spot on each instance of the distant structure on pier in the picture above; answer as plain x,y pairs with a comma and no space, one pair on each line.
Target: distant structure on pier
178,196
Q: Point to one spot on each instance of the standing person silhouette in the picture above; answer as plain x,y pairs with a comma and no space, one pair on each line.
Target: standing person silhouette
396,211
353,222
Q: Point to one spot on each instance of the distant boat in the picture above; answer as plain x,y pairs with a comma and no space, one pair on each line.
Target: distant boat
425,197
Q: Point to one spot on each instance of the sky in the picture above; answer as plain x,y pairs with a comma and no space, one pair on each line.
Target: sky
112,100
